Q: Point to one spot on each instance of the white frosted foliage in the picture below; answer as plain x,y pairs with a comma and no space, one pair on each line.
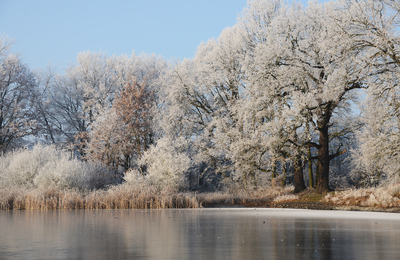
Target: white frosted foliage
46,167
166,166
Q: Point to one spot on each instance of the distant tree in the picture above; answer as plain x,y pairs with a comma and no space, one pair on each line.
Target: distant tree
48,124
121,134
67,105
17,85
134,107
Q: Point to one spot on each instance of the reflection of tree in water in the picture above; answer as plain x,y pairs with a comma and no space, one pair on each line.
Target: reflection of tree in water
121,234
226,235
331,239
193,234
98,235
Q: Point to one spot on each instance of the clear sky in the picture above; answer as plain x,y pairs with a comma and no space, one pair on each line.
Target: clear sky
54,31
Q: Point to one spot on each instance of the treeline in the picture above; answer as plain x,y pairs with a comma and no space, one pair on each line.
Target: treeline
289,94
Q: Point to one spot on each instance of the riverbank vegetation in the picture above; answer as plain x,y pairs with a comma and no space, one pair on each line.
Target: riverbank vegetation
290,96
46,178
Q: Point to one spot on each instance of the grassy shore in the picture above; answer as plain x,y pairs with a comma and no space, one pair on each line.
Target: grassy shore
129,197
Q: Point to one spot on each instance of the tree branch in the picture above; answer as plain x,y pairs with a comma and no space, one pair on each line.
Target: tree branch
312,144
333,156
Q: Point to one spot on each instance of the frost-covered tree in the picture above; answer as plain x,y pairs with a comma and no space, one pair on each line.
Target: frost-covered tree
248,97
374,28
305,70
120,135
281,81
49,128
17,86
68,104
66,100
198,96
104,140
95,77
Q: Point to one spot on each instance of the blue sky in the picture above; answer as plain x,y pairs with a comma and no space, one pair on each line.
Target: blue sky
54,31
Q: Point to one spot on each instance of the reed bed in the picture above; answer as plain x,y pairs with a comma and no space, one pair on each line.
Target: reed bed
116,197
126,196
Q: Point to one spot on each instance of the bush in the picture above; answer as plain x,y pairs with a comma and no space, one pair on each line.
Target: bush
48,167
166,167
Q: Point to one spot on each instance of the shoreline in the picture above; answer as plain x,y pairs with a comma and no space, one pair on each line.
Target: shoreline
128,197
305,205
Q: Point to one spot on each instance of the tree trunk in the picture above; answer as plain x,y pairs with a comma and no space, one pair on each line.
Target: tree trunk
316,176
299,185
284,173
310,173
274,174
323,161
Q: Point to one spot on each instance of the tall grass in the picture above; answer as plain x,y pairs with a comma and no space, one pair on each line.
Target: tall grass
116,197
127,196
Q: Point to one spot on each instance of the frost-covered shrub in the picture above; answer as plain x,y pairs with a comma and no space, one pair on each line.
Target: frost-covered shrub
384,196
135,178
48,167
166,167
19,168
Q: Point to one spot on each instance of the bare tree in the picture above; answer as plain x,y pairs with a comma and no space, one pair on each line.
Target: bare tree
17,86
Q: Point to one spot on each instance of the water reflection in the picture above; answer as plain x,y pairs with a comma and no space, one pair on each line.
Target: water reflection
198,234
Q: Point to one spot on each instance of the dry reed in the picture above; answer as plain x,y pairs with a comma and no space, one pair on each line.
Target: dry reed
129,197
116,197
243,197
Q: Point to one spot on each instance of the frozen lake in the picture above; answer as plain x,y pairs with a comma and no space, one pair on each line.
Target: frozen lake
199,234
